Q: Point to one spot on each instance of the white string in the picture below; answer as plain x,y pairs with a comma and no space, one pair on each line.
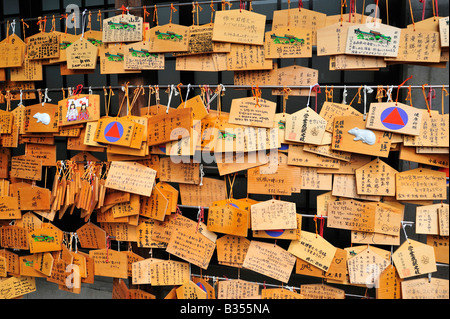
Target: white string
187,94
310,89
13,26
344,95
172,91
404,230
83,22
90,90
20,101
367,89
202,173
389,93
46,98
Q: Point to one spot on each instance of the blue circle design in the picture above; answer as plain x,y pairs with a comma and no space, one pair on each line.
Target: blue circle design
113,139
388,123
275,233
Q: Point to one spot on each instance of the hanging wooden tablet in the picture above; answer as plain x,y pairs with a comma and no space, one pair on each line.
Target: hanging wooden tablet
427,219
228,219
200,40
231,250
15,287
389,284
409,154
418,46
31,70
387,219
394,117
433,131
352,17
344,185
273,214
366,267
313,249
237,58
112,60
303,18
305,126
376,178
421,184
239,26
313,180
109,263
46,153
91,236
350,134
43,45
15,87
414,258
45,239
163,128
332,39
131,177
169,38
95,37
122,28
252,111
26,167
12,51
288,42
330,110
40,118
351,215
443,31
424,288
82,54
192,246
373,39
237,289
65,41
443,220
6,122
14,237
189,290
77,109
440,245
138,57
275,183
43,263
270,260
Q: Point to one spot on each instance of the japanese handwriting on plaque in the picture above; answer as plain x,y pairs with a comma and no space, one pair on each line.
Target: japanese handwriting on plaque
239,26
131,177
414,258
122,28
421,184
443,31
305,126
270,260
43,45
365,267
26,167
249,111
273,214
321,291
231,250
424,288
378,40
313,249
351,215
82,54
376,178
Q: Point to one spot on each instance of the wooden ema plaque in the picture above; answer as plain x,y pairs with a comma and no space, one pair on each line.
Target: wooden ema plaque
373,39
12,51
163,128
421,184
80,108
305,126
169,38
288,42
313,249
239,26
303,18
394,117
43,46
414,258
82,54
270,260
350,135
376,178
122,28
138,57
41,118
